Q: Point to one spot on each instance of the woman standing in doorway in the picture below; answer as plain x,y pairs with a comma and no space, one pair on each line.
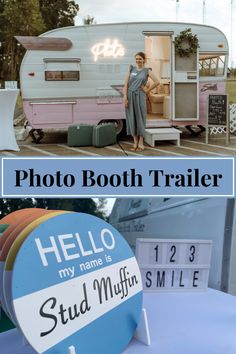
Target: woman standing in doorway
135,91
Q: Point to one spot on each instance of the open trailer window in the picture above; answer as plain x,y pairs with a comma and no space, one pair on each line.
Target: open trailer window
62,69
212,64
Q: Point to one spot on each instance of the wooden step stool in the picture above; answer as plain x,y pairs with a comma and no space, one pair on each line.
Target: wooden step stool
158,134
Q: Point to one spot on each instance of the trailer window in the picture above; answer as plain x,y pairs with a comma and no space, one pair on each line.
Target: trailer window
62,75
211,65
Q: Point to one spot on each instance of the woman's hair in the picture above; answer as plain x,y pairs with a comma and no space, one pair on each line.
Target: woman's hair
142,55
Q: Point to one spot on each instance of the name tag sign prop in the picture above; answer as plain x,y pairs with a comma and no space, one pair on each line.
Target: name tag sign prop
10,249
3,227
11,222
218,115
174,265
15,216
76,282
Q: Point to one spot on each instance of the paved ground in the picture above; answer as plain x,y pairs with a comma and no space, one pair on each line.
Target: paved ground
54,144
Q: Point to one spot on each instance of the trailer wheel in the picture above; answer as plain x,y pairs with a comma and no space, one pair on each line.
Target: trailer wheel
37,135
119,124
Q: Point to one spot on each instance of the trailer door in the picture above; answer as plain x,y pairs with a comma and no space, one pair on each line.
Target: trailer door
185,87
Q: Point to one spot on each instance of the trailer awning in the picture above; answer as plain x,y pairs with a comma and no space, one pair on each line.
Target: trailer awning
62,60
157,33
62,64
44,43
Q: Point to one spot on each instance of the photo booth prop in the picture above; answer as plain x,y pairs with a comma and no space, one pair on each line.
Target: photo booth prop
74,276
174,265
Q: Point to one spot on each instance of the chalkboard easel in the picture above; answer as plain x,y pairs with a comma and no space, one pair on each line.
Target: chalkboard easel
218,114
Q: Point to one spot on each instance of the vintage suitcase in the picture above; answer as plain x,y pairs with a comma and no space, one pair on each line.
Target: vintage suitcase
80,135
104,134
5,323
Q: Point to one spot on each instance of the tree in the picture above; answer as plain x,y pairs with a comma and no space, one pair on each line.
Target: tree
2,36
15,22
83,205
3,20
58,13
7,206
101,206
88,20
28,18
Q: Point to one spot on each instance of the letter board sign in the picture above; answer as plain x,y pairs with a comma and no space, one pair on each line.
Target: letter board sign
174,265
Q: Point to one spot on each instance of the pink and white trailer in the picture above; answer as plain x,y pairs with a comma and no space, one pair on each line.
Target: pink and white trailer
75,75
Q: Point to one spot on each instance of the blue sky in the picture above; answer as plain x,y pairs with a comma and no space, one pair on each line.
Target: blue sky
217,13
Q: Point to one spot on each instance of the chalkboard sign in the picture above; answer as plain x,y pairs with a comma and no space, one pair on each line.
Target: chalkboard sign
217,109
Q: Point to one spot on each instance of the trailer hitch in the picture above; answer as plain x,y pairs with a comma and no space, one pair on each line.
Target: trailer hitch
37,135
195,132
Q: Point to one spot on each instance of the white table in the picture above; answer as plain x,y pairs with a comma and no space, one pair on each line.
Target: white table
7,106
189,323
180,323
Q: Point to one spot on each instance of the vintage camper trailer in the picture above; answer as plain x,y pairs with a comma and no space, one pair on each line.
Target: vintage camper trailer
75,75
185,218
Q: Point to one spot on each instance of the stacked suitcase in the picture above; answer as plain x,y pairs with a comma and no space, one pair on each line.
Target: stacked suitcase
104,134
80,135
88,135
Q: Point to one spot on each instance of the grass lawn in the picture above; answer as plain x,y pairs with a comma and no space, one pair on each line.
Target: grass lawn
231,90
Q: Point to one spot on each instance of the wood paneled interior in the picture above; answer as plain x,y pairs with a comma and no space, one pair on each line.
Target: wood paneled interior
154,116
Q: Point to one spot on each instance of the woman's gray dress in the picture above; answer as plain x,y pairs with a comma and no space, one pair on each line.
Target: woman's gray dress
137,109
